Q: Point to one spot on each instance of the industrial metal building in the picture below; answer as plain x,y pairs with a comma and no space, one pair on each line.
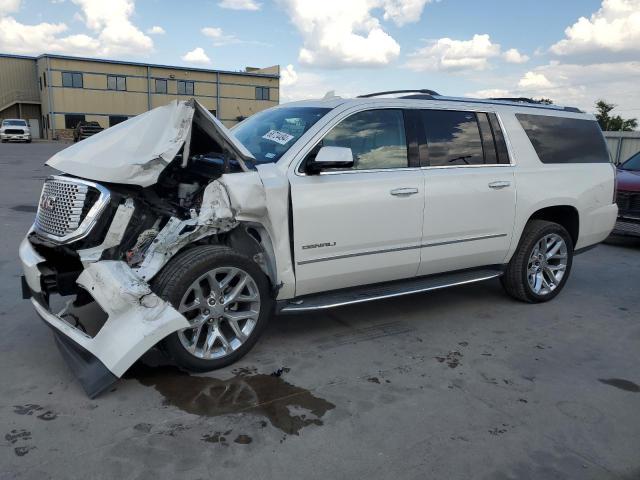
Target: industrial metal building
55,92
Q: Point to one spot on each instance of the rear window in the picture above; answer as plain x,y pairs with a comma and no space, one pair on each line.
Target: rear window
565,140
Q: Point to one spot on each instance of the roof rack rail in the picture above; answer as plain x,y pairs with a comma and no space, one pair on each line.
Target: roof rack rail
422,91
425,94
518,99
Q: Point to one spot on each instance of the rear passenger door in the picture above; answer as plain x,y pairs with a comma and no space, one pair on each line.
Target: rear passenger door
364,224
470,191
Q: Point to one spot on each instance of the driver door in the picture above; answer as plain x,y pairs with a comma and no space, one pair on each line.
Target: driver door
360,225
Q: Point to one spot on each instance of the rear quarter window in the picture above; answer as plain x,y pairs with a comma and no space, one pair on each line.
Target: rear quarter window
565,140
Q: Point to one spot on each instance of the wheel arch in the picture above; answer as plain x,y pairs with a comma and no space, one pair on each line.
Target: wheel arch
565,215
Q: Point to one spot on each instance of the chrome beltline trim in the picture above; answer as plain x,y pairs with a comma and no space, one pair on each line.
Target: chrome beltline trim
400,249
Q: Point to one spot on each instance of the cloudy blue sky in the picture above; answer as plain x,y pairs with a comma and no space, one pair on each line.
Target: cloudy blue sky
572,51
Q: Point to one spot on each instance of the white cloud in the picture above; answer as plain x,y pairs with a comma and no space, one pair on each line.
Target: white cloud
156,30
219,37
288,76
338,33
514,56
111,22
197,55
615,27
212,32
306,86
240,4
9,6
112,32
451,55
403,11
577,85
534,80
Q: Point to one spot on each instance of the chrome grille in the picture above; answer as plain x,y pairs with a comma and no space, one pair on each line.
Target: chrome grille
628,202
68,208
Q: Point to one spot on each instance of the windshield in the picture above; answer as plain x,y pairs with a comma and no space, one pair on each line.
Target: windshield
269,134
632,164
19,123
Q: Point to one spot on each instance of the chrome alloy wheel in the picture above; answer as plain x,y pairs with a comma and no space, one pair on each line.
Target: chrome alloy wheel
222,307
547,264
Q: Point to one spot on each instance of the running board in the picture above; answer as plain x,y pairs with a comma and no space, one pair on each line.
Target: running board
379,291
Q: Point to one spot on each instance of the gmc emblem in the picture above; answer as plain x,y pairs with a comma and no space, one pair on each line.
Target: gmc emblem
48,203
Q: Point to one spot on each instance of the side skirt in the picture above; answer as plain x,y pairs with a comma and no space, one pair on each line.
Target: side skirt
379,291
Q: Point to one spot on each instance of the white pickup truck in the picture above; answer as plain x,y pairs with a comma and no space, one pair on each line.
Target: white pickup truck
170,230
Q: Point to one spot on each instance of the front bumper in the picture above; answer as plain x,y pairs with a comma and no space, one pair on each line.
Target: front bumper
137,319
15,136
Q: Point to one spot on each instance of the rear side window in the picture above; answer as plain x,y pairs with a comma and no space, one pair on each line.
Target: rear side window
565,140
453,138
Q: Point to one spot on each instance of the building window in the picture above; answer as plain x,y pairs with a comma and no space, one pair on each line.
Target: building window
262,93
72,121
185,87
116,83
44,78
72,79
116,119
161,86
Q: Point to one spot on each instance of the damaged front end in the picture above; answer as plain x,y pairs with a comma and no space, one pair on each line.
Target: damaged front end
129,200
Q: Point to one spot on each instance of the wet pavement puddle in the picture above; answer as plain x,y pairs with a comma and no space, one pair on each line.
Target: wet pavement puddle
287,407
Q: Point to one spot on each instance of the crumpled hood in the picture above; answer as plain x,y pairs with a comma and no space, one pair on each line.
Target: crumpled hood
136,151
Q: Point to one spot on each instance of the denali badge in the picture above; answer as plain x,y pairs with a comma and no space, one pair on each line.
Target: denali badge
319,245
48,202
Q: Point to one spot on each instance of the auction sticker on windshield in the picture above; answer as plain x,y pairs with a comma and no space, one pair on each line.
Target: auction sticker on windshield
278,137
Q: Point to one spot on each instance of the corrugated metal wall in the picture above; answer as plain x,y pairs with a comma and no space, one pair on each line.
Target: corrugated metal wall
18,81
622,145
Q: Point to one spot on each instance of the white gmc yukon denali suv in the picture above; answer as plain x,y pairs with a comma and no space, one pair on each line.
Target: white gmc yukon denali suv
170,230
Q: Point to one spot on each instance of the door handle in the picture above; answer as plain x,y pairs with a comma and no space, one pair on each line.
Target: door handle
403,192
499,185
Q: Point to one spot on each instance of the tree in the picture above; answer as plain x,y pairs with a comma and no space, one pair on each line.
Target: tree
544,101
614,123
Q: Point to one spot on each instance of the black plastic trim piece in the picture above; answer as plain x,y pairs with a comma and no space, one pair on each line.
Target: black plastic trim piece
94,377
585,249
411,126
391,92
498,136
26,289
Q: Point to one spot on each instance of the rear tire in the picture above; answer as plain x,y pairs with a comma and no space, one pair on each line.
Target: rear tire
194,283
542,263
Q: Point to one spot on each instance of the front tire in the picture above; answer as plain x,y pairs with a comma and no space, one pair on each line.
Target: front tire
541,265
226,298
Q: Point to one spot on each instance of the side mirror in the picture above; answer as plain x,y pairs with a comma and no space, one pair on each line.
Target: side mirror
329,158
